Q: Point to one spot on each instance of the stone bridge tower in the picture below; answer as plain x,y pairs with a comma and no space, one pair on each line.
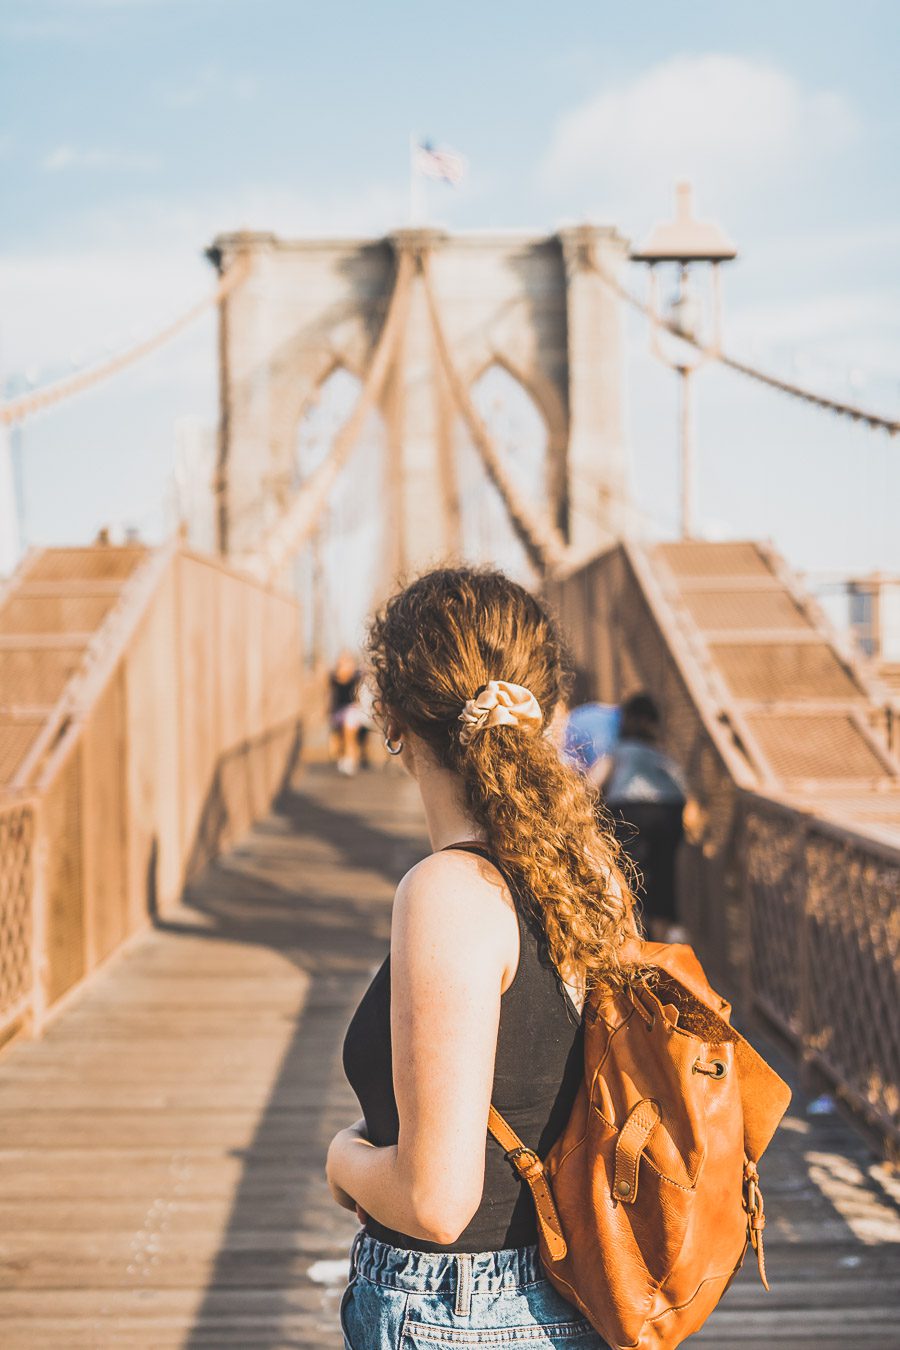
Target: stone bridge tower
533,305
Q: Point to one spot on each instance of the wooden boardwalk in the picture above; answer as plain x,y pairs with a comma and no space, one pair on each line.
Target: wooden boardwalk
161,1149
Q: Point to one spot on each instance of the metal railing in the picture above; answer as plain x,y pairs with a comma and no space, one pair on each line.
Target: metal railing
794,915
18,893
823,908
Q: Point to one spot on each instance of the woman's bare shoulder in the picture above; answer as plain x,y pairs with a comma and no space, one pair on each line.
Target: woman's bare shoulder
453,888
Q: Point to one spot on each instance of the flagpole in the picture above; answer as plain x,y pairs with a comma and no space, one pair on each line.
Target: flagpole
412,179
416,185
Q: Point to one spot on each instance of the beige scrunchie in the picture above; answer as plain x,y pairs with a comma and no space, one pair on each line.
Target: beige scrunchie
500,704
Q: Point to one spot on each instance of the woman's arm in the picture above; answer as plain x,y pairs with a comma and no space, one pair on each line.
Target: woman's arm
454,937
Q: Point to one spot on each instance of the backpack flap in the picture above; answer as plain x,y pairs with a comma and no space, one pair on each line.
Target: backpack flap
679,960
681,981
764,1097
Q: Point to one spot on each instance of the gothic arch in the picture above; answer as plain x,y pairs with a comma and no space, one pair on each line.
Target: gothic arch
518,426
546,397
530,304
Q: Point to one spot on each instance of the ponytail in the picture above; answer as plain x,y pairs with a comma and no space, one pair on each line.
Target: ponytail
463,657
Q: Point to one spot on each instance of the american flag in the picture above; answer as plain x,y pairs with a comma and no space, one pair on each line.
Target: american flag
446,165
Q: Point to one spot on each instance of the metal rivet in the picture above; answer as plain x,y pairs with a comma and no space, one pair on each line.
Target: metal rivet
623,1187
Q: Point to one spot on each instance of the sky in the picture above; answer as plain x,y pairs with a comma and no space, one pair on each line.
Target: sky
133,131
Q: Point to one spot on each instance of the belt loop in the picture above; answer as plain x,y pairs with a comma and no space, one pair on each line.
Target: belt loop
354,1251
463,1306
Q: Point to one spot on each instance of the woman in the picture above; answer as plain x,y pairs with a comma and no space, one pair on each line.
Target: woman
495,937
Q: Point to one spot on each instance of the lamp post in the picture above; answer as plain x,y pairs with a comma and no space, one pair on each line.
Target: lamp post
12,478
683,241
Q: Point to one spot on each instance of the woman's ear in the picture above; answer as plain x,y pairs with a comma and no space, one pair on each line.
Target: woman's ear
392,728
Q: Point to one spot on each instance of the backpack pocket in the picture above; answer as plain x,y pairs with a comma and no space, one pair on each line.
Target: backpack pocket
620,1244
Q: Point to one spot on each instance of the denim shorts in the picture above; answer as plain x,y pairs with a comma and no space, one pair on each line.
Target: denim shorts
410,1300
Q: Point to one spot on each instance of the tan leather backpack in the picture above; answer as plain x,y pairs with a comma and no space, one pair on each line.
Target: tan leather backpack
649,1198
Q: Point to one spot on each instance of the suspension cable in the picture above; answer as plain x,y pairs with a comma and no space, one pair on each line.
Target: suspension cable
26,404
301,517
543,543
851,410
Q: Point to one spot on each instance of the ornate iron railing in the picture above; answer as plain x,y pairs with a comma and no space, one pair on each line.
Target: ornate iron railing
795,917
824,961
18,887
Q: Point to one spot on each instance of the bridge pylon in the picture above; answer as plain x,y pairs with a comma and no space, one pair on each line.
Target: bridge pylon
531,304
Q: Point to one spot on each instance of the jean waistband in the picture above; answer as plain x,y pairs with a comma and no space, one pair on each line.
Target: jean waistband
439,1272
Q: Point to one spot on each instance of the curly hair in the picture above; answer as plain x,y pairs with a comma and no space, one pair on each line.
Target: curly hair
432,647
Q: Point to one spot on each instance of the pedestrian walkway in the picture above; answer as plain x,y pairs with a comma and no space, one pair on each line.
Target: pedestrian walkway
161,1148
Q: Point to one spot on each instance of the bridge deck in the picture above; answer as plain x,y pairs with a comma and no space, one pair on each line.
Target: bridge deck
161,1149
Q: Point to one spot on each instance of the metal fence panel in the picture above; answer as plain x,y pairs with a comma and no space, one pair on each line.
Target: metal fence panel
17,883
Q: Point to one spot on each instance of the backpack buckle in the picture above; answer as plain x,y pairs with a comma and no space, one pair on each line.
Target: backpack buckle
515,1155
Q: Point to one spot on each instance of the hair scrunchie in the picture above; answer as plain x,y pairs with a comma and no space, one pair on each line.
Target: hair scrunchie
498,704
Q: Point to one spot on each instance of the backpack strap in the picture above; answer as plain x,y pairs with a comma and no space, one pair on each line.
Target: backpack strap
531,1170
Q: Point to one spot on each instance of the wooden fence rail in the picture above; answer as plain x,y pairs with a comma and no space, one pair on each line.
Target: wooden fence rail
188,730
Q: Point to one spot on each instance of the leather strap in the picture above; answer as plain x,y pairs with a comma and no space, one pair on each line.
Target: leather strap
531,1170
756,1218
469,846
640,1123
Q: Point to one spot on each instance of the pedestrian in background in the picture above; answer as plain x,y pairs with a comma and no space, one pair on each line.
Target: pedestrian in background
646,792
345,713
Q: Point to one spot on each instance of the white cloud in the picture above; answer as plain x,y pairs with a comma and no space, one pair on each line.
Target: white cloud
171,227
38,29
140,266
62,309
65,157
826,315
64,21
825,341
211,81
825,248
713,118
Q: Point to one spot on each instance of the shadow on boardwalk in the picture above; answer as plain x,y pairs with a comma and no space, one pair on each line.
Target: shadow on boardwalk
313,882
162,1148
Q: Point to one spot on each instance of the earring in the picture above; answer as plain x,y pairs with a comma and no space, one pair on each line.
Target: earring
393,749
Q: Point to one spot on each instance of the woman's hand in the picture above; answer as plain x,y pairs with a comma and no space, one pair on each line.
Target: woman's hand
352,1135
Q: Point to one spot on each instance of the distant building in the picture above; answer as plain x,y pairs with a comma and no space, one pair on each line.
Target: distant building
874,613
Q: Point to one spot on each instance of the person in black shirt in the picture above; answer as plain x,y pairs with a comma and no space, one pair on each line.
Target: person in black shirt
496,936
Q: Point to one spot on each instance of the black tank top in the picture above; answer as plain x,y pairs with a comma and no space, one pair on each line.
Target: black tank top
536,1075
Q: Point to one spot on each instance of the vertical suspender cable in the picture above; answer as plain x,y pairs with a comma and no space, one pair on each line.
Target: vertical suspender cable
279,545
543,543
